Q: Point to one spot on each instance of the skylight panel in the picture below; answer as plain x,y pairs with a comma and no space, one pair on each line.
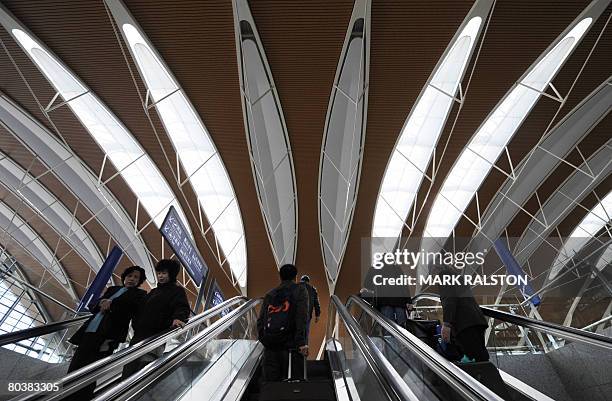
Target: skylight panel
343,141
538,164
51,209
122,149
14,226
590,225
268,139
69,169
481,153
605,259
421,132
562,202
192,143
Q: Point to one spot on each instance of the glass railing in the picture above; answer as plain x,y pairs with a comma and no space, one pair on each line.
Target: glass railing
357,366
109,369
205,367
538,359
40,353
426,373
558,362
212,366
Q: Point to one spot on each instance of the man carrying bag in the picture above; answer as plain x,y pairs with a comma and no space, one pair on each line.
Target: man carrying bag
282,325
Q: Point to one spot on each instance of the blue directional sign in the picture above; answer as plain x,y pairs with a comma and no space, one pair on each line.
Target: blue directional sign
513,268
216,297
104,274
173,230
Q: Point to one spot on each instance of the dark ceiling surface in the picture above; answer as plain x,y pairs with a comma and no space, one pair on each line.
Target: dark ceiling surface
302,41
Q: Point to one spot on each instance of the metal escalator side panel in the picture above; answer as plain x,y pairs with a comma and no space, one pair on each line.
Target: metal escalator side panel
460,382
141,382
372,377
94,371
38,331
569,333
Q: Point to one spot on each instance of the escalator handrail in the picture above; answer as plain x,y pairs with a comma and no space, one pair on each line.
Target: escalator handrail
38,331
394,388
455,377
81,377
141,380
569,333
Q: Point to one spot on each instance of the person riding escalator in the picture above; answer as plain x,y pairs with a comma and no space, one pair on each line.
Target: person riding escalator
101,334
463,320
165,307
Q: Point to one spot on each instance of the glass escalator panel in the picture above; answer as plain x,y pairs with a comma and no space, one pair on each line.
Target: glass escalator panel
542,360
406,361
358,377
211,368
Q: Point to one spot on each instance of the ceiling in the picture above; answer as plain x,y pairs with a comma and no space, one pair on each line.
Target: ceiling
302,43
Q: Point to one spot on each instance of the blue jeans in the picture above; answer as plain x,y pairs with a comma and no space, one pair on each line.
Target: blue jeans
395,313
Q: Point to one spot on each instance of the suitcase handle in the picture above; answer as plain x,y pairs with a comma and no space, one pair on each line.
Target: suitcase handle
289,372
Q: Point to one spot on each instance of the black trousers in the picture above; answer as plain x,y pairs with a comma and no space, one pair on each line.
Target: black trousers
139,363
276,365
472,343
87,352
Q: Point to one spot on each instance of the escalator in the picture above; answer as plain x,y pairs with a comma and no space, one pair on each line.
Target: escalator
40,353
366,357
545,362
105,371
415,366
222,362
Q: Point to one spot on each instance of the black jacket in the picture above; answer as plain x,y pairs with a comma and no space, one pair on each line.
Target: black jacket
459,308
116,321
299,314
162,305
313,300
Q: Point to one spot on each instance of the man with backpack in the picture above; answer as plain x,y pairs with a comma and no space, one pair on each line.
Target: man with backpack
282,326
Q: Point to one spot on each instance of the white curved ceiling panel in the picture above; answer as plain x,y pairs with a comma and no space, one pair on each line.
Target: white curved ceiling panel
66,166
343,140
537,166
194,146
124,152
55,213
267,137
22,233
419,136
558,206
597,218
488,142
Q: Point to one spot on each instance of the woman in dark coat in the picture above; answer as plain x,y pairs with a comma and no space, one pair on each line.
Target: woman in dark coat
165,307
101,334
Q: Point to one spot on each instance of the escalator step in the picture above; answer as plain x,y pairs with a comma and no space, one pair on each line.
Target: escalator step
487,374
297,391
318,369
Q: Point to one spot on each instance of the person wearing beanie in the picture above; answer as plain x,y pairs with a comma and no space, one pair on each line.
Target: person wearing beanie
108,326
313,302
165,307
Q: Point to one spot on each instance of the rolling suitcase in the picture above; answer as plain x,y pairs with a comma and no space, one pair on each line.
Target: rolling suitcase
487,374
297,389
